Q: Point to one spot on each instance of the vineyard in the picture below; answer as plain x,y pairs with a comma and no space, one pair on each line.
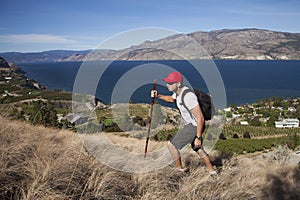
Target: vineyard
242,146
257,131
254,131
262,138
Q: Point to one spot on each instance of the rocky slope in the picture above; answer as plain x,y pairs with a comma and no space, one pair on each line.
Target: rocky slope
248,44
3,63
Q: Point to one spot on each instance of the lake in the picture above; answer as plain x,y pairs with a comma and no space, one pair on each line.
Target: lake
244,81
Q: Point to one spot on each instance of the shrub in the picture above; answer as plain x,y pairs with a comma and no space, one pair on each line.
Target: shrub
222,136
235,136
113,128
246,135
165,135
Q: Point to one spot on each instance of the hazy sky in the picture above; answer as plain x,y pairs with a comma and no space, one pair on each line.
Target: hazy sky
38,25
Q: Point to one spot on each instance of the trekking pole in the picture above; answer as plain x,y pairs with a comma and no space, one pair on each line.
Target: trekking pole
149,126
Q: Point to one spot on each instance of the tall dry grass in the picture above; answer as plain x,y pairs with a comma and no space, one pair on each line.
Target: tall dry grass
43,163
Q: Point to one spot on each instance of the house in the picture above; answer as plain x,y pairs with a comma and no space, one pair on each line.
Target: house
76,118
59,117
235,115
227,109
287,123
292,109
244,123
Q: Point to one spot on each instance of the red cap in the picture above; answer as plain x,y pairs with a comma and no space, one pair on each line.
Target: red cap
173,77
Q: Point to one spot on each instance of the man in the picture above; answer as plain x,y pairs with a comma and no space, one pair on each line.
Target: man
193,124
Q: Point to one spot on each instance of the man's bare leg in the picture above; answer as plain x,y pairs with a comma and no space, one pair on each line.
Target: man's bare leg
203,155
175,155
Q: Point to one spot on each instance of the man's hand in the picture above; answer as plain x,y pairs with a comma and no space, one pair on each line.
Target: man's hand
153,93
198,142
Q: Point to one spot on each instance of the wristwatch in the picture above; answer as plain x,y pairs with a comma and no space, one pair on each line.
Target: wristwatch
199,137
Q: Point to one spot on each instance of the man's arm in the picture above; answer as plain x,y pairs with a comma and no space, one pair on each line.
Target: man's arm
196,111
166,98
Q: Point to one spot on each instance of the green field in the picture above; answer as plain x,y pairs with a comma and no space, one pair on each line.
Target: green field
241,146
289,137
257,131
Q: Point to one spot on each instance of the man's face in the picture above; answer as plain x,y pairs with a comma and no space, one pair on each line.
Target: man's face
172,86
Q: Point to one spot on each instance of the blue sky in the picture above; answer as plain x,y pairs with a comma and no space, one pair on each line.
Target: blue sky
39,25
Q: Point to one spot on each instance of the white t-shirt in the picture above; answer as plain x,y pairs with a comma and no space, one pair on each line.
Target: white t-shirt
191,101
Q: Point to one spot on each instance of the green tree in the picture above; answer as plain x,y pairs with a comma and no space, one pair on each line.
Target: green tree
278,102
264,112
297,113
271,121
233,106
248,109
44,114
255,122
228,114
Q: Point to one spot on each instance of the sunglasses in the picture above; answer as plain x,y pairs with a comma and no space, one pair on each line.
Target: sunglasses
171,83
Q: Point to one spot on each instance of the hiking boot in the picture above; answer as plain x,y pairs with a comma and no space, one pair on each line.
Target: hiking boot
213,173
181,170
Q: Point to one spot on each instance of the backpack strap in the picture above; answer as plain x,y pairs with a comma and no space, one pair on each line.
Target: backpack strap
182,97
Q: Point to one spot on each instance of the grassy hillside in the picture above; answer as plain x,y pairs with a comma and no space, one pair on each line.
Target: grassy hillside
43,163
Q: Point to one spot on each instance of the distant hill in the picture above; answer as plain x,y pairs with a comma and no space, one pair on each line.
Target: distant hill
45,56
245,44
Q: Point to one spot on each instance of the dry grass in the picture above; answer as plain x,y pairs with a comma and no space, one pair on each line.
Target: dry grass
42,163
133,144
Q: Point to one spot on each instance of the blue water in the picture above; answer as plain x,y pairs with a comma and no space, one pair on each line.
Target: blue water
244,81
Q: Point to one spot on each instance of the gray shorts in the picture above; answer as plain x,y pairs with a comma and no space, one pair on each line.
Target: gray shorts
185,136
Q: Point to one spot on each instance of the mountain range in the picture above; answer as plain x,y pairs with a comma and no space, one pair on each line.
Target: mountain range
45,56
245,44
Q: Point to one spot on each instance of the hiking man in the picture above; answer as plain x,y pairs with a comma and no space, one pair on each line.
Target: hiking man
194,123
